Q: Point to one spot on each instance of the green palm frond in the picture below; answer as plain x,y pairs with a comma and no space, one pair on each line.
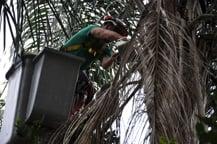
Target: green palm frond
163,70
10,20
40,24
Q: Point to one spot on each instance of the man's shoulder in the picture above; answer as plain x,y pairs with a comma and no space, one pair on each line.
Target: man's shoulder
87,29
91,26
85,32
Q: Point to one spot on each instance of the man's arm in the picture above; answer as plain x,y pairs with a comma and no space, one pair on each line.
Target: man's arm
108,36
107,61
105,34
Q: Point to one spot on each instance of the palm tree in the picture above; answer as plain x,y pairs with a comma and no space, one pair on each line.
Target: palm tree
165,69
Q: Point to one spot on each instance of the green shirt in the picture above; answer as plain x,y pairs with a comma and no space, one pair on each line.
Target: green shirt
84,45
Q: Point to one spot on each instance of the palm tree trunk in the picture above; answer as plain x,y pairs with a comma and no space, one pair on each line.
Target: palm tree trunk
174,65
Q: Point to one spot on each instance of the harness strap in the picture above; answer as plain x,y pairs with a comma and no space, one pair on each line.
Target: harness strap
78,46
92,51
72,48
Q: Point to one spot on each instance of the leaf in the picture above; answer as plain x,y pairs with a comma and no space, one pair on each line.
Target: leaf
200,129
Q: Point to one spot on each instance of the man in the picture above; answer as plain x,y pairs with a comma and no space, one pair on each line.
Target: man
90,44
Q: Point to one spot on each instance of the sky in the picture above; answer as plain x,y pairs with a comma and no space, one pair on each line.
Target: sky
4,54
139,133
4,59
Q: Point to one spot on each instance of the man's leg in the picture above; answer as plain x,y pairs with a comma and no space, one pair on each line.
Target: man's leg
83,88
87,88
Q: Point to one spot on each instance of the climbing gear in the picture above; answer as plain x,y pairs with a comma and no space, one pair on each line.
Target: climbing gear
92,51
72,48
78,46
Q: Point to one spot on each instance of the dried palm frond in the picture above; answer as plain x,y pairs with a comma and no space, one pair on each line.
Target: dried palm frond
171,74
163,61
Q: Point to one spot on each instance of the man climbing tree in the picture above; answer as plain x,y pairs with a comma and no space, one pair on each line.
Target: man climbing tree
90,44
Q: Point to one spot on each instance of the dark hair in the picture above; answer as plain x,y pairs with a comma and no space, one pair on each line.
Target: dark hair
119,26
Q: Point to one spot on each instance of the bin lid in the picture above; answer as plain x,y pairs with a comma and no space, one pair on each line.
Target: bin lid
53,51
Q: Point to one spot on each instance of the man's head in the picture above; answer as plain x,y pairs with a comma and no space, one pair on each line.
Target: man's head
115,24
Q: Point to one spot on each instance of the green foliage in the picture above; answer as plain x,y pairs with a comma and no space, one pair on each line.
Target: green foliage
207,127
112,137
2,104
206,136
99,76
29,132
50,24
164,140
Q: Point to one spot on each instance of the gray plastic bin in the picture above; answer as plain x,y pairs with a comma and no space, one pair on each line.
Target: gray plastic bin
19,80
52,89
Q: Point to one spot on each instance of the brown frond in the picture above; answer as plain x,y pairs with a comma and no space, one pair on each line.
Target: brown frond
160,71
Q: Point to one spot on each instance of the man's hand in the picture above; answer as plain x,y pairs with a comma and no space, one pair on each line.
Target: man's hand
123,39
107,61
115,57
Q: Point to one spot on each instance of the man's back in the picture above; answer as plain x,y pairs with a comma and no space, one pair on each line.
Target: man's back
84,45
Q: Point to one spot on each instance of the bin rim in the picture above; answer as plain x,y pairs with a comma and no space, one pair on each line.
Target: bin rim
56,52
17,64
